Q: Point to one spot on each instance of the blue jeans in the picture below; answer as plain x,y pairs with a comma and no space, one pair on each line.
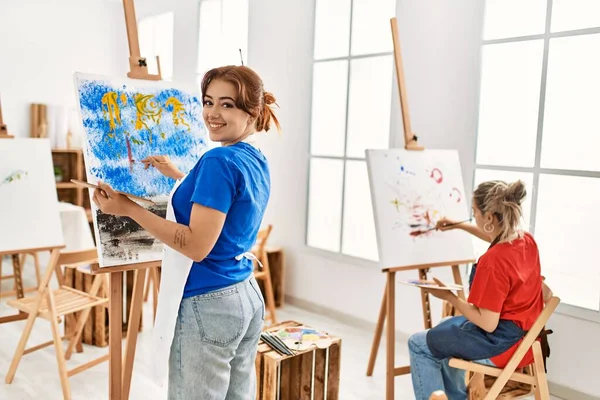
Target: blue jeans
430,374
214,347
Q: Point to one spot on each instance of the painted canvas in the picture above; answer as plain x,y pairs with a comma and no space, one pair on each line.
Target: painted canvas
124,121
410,192
29,215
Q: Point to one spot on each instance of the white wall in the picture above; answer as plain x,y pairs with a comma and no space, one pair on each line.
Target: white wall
45,41
441,49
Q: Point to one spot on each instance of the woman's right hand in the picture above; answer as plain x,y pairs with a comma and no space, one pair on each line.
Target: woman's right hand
164,165
445,224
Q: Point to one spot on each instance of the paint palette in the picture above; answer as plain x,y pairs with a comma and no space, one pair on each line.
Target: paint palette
426,284
301,338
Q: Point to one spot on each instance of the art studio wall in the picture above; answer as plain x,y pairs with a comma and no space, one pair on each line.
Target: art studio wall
44,42
441,47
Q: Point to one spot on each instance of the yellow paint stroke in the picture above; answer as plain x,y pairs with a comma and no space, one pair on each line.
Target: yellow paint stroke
147,110
111,109
178,112
397,204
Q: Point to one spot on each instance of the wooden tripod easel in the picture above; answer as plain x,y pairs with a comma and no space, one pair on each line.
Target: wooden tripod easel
388,309
121,367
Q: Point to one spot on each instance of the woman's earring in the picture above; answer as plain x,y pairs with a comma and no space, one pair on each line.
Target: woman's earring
488,227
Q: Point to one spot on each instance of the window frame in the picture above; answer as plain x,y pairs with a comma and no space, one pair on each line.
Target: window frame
537,170
340,256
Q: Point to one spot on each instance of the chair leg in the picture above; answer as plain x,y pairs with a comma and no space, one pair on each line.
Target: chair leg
20,348
270,297
155,280
147,287
541,388
60,358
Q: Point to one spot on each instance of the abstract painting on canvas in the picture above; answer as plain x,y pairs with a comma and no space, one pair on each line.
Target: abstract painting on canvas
410,192
124,121
29,215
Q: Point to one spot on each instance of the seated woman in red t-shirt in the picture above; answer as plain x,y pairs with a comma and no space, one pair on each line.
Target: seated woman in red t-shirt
506,297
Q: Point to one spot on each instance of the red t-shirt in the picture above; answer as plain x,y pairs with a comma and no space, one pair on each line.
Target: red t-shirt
508,280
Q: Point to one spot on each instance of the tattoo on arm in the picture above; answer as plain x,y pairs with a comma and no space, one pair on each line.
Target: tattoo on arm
180,238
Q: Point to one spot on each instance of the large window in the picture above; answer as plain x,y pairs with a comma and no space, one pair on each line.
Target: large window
351,106
223,32
539,120
156,39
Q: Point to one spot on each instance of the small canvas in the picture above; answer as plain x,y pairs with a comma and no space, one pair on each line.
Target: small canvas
124,121
410,192
29,214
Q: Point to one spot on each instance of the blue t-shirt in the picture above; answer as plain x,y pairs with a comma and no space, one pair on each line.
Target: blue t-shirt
236,181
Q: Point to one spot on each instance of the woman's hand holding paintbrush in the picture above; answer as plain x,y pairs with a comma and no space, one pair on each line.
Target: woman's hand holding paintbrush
164,165
445,224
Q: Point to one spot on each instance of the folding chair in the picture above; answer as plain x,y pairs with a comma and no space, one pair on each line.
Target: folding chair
477,384
264,273
52,305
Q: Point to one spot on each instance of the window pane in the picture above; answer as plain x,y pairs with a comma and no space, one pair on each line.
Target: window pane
575,14
371,32
234,31
571,118
566,221
332,28
509,103
163,39
358,238
325,204
483,175
512,18
328,119
370,105
208,41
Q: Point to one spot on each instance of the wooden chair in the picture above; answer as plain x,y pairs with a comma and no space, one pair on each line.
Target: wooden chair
264,273
21,263
52,305
534,377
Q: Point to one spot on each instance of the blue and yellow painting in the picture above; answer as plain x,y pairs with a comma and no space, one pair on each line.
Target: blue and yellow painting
125,121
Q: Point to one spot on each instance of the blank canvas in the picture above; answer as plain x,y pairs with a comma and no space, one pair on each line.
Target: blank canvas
29,214
410,192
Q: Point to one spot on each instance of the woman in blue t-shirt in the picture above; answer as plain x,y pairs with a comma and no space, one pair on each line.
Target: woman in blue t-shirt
209,319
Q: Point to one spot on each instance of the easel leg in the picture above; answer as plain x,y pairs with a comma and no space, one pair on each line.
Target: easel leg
378,334
391,330
18,290
425,301
458,280
115,331
133,328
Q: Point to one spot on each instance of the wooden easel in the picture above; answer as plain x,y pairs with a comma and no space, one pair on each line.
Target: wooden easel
388,309
121,367
3,129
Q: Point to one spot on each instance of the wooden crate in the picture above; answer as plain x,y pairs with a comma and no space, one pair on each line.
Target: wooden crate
95,330
293,377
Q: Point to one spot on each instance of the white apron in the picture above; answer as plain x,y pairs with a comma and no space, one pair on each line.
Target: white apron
174,273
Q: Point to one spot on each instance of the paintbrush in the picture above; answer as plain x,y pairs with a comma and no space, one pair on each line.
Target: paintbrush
270,340
435,227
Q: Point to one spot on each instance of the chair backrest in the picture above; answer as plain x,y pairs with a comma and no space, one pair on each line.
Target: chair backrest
262,237
532,334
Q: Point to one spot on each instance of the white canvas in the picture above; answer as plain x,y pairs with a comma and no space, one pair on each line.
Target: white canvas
410,192
124,121
29,214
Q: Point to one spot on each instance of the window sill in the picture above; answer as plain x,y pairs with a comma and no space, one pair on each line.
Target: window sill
342,258
578,312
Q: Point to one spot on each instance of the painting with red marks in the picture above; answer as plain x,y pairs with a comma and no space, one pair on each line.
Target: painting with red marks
410,192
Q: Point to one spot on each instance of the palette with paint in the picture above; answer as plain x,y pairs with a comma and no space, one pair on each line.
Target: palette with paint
427,284
300,338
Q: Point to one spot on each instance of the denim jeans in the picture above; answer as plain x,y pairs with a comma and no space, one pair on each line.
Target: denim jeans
214,347
430,373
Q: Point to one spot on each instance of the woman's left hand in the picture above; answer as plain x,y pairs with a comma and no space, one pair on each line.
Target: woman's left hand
443,294
111,202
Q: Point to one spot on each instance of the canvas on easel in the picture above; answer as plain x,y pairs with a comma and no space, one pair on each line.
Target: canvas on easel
411,191
124,121
29,216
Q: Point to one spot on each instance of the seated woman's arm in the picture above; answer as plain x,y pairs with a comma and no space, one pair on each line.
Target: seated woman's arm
546,291
483,318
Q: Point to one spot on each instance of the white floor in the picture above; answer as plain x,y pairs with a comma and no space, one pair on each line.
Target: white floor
37,376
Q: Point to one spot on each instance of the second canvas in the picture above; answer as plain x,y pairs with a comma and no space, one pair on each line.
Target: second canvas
124,121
